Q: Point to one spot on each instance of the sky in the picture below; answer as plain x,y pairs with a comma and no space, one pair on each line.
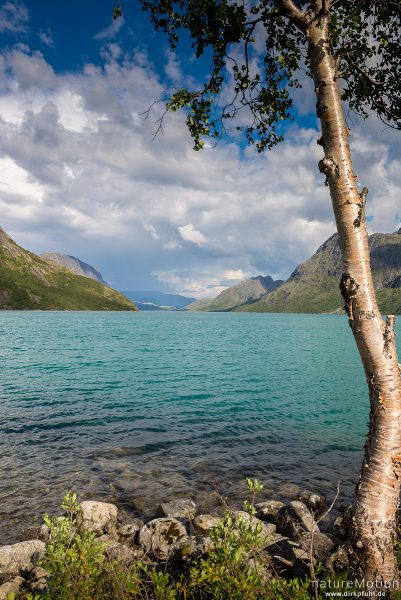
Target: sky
82,174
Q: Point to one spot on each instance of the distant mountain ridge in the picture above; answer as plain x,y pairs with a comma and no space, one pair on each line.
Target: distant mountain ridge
156,300
75,264
243,293
313,287
30,282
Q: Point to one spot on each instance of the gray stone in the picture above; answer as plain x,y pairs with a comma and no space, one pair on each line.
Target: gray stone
267,529
124,555
294,519
19,558
281,552
267,511
44,533
323,544
11,587
182,554
182,508
205,523
157,536
128,532
315,502
39,580
98,517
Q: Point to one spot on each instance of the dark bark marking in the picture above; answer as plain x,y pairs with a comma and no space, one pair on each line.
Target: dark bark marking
349,290
389,336
361,213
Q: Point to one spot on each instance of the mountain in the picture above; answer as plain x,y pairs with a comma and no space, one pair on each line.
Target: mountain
314,285
74,264
243,293
30,282
153,300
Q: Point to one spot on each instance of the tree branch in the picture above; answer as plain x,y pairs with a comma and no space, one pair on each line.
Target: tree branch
294,13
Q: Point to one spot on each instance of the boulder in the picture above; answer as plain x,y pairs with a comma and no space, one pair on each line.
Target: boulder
323,544
315,502
267,511
124,555
205,523
19,558
294,519
182,508
98,517
182,554
39,580
11,587
128,532
267,529
44,533
157,536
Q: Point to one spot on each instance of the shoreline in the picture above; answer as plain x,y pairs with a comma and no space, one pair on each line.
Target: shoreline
295,536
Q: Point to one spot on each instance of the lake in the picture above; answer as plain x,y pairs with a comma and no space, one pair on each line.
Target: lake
141,407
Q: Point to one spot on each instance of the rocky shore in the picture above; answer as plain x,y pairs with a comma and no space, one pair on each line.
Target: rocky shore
299,535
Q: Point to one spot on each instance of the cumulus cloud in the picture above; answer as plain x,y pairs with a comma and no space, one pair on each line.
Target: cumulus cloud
81,175
190,234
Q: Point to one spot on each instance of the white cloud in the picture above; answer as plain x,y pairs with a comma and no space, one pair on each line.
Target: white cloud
190,234
81,175
14,17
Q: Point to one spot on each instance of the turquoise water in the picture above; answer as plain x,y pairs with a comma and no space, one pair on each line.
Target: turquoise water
137,408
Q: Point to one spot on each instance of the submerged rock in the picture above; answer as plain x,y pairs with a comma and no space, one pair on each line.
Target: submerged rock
98,517
157,536
18,558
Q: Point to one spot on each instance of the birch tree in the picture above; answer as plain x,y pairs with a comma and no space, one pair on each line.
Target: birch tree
351,50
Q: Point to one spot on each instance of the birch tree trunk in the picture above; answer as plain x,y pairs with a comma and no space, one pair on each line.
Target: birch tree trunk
378,487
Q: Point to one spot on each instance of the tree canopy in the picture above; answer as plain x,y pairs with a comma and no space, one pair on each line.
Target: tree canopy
258,50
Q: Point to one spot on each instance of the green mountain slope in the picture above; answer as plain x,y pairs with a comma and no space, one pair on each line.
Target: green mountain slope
30,282
245,292
314,285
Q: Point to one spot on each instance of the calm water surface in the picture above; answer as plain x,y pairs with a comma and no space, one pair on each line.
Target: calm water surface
137,408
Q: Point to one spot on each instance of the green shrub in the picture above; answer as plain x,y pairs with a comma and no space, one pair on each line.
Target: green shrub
236,569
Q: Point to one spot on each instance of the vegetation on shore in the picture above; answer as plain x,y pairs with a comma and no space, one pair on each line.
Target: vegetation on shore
29,282
234,568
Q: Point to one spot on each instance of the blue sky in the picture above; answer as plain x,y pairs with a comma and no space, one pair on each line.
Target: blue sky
81,174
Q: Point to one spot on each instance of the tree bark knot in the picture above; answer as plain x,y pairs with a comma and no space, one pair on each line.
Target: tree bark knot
321,109
389,336
361,212
349,290
328,166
